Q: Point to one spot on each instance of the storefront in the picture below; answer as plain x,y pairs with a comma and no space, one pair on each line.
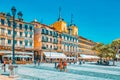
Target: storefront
88,57
19,56
54,56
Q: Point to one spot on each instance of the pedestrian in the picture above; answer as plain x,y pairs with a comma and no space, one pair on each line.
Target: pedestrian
83,61
38,62
65,66
11,69
35,62
4,65
80,62
60,65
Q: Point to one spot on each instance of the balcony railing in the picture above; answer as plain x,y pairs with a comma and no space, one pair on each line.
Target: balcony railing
43,47
29,47
2,34
2,43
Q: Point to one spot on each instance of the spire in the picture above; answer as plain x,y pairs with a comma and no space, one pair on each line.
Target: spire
72,20
60,17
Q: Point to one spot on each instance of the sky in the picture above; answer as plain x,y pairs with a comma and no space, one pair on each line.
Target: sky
97,20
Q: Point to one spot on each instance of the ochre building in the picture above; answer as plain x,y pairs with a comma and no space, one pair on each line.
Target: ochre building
24,39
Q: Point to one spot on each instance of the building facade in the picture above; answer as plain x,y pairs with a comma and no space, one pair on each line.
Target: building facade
69,37
85,49
24,39
46,39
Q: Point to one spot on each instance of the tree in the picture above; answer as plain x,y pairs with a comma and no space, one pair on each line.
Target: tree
115,46
98,48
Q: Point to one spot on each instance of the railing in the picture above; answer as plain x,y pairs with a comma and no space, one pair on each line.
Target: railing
28,46
2,34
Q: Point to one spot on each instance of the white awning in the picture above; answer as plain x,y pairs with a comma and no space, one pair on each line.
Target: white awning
21,56
88,56
54,55
16,52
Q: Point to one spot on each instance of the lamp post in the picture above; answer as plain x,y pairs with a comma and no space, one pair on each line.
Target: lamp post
13,10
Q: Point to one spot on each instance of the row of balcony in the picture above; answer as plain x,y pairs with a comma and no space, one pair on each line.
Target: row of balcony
16,45
46,40
51,33
55,48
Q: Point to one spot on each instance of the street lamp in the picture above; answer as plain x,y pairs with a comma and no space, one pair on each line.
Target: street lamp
13,10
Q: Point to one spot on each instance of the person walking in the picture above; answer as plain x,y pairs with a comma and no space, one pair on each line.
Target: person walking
38,62
80,62
35,62
60,65
65,66
4,65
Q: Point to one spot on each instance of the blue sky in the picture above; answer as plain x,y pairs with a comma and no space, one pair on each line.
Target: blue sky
97,20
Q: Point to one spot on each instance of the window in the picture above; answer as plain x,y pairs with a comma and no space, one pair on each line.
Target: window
9,24
46,31
9,32
42,31
26,27
20,42
43,39
46,39
9,41
2,21
26,43
15,41
47,46
2,31
51,46
50,39
20,26
30,28
25,34
20,34
3,41
30,35
30,43
50,33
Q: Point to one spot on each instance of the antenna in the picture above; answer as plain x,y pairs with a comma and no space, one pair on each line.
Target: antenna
60,16
71,19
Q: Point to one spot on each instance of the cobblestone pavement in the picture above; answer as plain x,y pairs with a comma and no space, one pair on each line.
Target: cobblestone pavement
88,71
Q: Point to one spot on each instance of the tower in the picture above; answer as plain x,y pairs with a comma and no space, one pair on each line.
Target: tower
60,25
74,27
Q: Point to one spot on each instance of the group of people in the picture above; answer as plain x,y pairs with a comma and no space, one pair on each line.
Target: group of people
37,62
62,65
81,61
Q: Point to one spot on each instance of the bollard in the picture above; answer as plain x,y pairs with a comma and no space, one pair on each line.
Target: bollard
13,71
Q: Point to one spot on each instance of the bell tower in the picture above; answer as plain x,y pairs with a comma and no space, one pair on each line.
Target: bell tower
74,27
60,25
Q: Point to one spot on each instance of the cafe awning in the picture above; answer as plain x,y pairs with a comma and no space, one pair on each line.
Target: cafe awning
88,56
16,52
20,56
54,55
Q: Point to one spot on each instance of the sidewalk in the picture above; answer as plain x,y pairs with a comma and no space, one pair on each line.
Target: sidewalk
2,77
